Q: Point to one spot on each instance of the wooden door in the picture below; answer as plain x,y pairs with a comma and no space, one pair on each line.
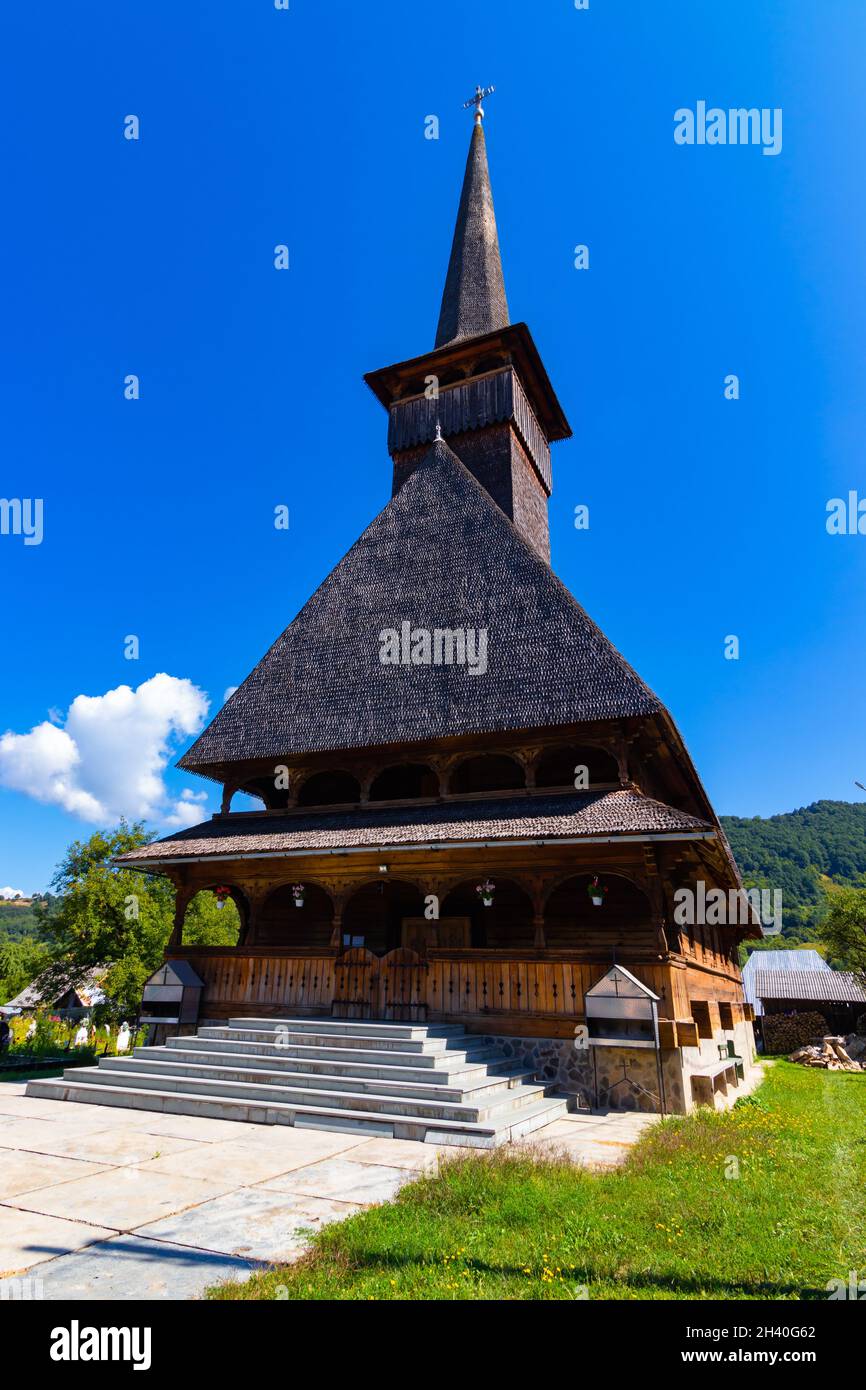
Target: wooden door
356,984
393,987
402,986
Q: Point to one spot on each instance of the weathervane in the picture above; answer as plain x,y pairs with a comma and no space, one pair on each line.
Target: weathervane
480,94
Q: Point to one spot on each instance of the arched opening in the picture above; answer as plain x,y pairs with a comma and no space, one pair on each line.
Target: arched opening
558,766
506,925
216,916
330,789
405,782
263,790
374,916
624,919
288,920
489,772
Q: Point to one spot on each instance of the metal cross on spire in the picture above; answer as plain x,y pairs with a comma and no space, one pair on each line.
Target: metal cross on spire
480,94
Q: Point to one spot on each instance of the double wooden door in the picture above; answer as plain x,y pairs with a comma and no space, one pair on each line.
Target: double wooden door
388,987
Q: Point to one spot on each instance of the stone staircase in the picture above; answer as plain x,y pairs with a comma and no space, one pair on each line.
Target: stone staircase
402,1080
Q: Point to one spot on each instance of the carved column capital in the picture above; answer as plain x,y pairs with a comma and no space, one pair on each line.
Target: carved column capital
443,765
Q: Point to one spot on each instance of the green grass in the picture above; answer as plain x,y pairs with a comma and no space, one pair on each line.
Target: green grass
669,1224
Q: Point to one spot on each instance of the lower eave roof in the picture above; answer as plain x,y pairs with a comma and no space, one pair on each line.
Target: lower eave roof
583,815
816,986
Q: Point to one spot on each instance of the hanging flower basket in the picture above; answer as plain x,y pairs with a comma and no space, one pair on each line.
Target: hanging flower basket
298,894
596,891
486,890
222,896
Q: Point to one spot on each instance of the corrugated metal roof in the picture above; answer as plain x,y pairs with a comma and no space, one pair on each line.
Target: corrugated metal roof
803,959
816,986
785,960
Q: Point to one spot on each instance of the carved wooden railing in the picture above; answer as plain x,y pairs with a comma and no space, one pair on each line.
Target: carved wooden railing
448,984
234,980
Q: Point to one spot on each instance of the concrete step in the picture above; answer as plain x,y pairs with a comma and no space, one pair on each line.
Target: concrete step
216,1054
215,1067
208,1038
472,1111
481,1134
286,1035
352,1027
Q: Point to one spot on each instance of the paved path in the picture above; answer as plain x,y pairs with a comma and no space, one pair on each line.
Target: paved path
98,1202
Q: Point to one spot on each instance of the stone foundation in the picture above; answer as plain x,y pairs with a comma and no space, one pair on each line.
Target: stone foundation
594,1075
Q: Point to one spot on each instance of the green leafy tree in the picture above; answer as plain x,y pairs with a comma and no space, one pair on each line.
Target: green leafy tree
208,924
20,962
117,921
844,930
106,917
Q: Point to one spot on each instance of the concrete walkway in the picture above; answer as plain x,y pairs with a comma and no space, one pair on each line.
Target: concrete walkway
105,1203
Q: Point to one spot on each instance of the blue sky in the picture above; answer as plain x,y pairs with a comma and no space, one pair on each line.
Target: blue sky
306,127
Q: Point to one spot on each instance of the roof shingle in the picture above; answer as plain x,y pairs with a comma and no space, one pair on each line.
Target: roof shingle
440,555
561,816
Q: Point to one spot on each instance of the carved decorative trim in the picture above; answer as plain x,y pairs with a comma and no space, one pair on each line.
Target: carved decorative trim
471,405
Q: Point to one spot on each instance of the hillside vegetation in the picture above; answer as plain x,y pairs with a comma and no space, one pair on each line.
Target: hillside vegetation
802,853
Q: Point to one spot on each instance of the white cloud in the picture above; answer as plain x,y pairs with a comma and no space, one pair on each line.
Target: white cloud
229,692
12,893
188,810
109,758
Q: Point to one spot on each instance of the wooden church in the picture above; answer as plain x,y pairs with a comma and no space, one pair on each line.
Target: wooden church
474,812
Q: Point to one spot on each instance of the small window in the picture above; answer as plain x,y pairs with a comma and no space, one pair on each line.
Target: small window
349,940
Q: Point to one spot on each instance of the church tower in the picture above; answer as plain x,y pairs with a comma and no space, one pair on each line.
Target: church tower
472,811
484,384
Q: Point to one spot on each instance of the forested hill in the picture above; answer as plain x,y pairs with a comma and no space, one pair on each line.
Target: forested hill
798,849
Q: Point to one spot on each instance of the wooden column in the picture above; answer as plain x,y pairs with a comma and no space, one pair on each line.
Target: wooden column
528,757
655,892
337,929
255,897
183,896
538,889
341,890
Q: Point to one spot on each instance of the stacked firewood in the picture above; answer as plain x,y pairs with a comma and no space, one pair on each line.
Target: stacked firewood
786,1032
832,1054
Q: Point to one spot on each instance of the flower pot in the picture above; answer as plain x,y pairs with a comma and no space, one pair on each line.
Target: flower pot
299,902
488,902
596,899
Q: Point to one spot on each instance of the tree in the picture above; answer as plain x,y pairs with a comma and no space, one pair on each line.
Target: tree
117,921
207,924
107,917
20,962
844,930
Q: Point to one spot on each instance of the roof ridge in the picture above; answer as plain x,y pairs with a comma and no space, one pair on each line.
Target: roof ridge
314,688
547,573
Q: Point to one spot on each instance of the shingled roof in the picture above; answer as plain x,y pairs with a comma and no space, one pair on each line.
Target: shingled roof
539,817
440,555
474,299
